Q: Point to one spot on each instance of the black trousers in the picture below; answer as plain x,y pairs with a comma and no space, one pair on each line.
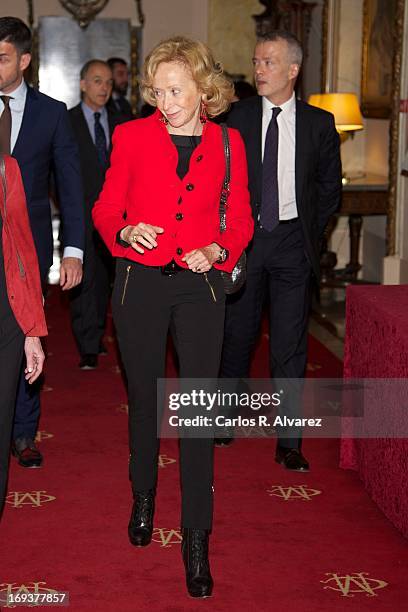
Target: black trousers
277,268
89,300
146,305
11,355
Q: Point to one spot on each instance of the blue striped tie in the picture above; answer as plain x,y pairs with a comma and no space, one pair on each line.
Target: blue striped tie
269,213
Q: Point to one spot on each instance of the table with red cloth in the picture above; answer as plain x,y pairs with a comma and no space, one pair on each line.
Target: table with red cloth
376,346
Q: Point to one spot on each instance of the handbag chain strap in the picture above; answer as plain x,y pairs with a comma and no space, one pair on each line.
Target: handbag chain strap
227,178
3,182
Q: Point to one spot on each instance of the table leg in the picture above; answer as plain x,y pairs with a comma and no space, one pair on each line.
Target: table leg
355,225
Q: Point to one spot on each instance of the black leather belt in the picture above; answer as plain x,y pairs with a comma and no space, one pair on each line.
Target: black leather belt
289,220
261,229
171,268
168,269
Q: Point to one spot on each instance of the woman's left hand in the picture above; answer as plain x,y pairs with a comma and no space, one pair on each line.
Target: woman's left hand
201,260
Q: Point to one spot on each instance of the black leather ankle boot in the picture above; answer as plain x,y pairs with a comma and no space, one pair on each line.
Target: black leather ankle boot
140,527
194,549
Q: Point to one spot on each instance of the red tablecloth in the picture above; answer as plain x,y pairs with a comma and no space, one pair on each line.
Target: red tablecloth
376,346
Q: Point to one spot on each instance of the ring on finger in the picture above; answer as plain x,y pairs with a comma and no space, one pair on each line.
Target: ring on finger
134,238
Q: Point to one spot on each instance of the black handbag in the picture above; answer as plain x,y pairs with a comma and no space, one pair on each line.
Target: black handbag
233,281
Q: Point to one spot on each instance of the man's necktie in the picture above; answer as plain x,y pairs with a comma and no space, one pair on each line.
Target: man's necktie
100,141
5,126
269,213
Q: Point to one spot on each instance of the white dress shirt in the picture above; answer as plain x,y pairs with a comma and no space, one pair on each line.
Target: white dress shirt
17,105
286,154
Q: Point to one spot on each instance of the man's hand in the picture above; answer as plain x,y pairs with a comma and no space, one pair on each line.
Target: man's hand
35,358
70,273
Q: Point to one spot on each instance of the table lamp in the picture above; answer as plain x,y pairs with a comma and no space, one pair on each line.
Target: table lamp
346,111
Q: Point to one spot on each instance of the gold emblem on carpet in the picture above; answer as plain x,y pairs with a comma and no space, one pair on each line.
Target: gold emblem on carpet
302,492
164,461
43,435
8,591
350,584
167,537
35,499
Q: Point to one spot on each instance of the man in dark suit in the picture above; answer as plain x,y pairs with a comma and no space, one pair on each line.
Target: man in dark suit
37,132
93,126
294,174
118,102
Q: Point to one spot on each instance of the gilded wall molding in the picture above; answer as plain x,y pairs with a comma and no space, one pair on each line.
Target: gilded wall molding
330,45
394,129
134,79
31,73
325,28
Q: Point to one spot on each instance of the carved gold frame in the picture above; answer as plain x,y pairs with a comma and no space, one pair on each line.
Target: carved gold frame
134,81
329,61
372,107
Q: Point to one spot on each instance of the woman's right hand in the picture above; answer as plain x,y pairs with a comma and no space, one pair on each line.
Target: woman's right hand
141,234
35,358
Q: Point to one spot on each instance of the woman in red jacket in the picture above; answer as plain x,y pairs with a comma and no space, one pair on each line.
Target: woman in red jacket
22,318
165,179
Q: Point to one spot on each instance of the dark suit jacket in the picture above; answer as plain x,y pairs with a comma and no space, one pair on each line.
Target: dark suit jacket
93,175
317,166
45,143
124,113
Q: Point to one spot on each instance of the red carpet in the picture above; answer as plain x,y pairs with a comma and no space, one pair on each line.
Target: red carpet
281,541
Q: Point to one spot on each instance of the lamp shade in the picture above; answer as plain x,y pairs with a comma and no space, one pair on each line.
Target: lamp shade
344,107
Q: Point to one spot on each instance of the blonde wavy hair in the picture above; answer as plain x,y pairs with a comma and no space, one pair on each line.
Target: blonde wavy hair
198,59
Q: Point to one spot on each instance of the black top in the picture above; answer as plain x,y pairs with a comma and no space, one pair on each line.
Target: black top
185,146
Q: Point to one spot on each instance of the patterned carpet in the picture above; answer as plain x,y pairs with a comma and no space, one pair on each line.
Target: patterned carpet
281,541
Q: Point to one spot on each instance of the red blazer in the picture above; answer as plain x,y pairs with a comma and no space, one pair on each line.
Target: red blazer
20,258
142,182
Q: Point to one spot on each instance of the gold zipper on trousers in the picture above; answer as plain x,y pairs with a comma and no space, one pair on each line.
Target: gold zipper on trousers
210,286
126,283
